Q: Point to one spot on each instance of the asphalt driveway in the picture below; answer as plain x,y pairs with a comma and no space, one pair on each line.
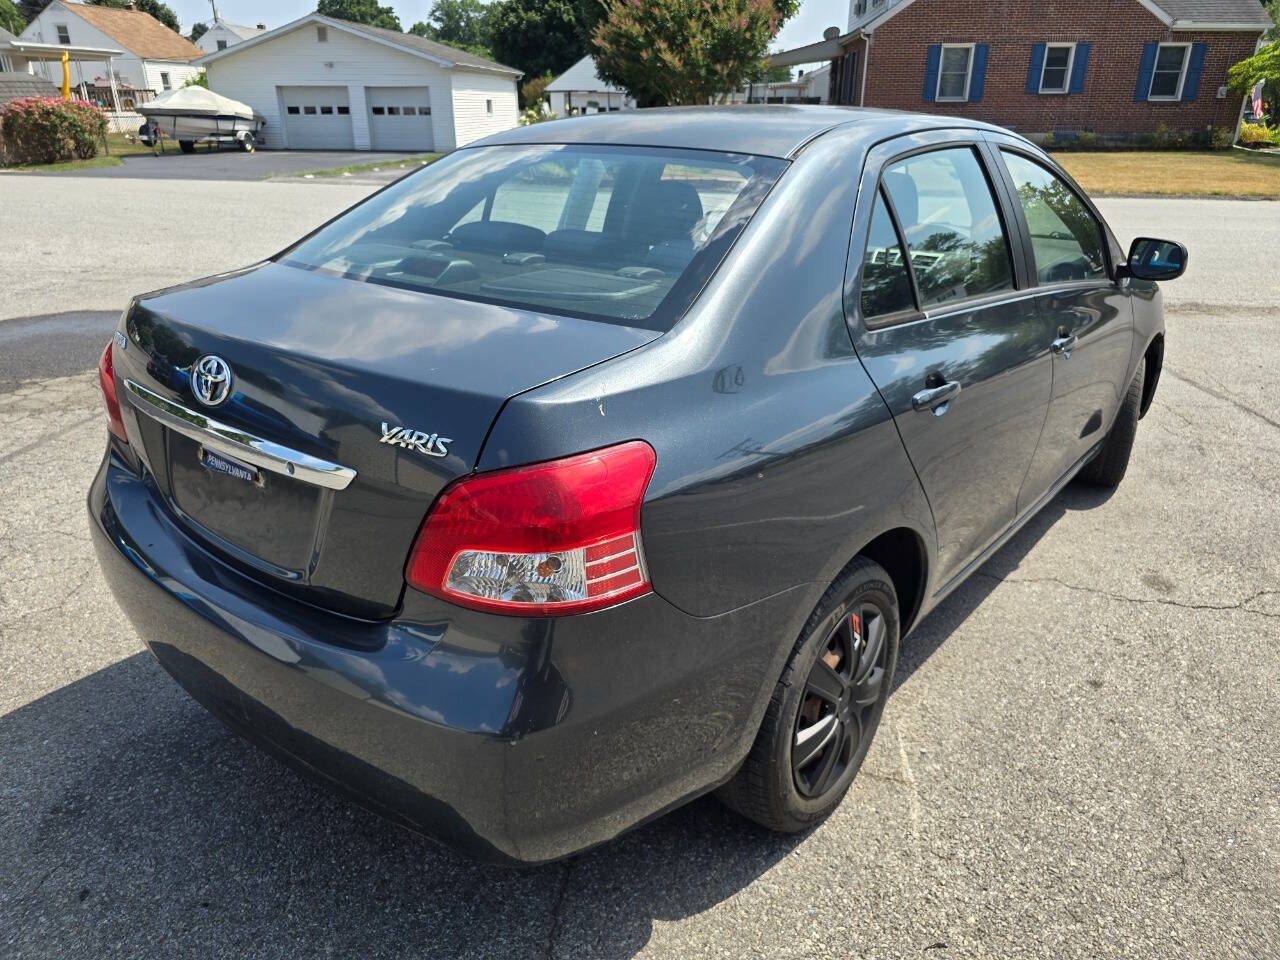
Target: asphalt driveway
1080,757
228,164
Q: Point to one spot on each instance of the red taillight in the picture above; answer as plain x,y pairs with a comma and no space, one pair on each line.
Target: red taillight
107,380
558,537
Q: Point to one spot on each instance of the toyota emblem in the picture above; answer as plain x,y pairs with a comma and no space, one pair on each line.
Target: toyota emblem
211,380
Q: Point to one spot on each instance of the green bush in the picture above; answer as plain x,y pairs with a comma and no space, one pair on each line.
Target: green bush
1256,135
49,130
535,114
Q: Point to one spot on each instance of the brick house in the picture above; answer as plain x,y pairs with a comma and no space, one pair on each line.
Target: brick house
1116,68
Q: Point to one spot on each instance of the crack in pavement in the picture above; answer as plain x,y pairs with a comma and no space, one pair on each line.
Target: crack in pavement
1219,395
1241,605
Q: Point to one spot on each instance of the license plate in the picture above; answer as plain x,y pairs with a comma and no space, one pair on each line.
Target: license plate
231,467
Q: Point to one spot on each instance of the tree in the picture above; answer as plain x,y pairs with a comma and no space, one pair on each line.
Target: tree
1273,8
463,24
30,9
369,12
161,11
10,18
533,90
591,12
1263,66
536,35
198,30
683,51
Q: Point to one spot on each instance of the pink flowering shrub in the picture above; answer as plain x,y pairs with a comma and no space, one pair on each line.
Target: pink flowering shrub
47,130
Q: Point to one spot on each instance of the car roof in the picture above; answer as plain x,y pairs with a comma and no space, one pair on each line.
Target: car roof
775,130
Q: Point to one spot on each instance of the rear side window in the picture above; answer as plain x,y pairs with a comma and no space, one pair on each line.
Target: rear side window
886,283
951,225
624,234
1065,237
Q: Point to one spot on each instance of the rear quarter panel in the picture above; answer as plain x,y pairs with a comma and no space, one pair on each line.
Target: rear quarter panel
776,457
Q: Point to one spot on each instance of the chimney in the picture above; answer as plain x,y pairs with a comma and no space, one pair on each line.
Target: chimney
131,6
262,26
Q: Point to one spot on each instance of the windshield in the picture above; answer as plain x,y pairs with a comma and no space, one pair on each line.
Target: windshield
622,234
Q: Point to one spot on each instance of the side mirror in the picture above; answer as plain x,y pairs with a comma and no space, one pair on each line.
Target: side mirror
1151,259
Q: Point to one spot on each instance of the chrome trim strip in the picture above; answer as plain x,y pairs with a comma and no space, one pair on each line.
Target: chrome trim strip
236,443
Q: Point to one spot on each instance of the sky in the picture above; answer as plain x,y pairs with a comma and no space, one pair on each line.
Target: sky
805,27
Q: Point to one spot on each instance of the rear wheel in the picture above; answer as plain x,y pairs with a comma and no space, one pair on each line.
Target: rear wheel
188,146
825,708
1108,467
246,143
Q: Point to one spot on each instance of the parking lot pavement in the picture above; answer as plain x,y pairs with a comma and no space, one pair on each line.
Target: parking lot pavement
228,164
1079,758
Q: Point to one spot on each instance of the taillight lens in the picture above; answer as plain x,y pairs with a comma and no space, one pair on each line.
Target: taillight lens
107,380
558,537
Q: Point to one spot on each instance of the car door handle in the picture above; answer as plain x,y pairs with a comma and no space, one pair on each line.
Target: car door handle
936,398
1064,345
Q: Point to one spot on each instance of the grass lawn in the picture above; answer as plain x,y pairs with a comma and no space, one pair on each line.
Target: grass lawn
1229,173
396,163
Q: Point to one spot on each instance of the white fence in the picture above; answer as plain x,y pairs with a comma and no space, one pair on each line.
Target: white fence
124,122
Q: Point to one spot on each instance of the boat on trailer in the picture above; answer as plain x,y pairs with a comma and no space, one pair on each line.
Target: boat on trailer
194,114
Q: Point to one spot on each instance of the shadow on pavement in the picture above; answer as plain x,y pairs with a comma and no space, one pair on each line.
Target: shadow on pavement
132,824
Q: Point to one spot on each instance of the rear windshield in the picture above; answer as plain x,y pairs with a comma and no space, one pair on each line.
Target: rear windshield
622,234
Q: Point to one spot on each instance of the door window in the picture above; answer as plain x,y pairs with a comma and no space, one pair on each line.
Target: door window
886,284
1065,237
951,224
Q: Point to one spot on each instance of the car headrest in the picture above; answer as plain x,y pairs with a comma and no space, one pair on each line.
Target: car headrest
497,235
667,210
906,198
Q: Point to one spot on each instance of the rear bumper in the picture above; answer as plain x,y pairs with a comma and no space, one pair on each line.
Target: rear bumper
516,740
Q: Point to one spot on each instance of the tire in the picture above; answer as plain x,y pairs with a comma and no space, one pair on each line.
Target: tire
1108,467
246,143
187,146
766,788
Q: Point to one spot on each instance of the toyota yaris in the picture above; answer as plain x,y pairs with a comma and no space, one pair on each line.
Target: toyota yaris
605,463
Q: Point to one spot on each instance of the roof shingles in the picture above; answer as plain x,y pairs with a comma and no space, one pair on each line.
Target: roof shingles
138,32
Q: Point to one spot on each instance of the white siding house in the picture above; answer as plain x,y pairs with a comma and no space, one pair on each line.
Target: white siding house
579,90
152,56
221,35
322,83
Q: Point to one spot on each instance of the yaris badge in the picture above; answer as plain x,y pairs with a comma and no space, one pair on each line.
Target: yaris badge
432,444
211,380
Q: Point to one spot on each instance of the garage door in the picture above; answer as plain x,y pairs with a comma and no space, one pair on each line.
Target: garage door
317,118
399,118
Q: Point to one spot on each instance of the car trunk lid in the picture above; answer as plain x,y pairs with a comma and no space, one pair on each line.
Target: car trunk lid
329,378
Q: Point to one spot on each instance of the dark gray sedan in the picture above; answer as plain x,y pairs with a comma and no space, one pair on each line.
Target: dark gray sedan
606,462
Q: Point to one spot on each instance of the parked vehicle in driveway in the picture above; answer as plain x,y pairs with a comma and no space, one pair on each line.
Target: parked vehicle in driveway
605,463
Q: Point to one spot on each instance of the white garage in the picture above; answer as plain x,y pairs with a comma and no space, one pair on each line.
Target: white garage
326,84
399,118
317,118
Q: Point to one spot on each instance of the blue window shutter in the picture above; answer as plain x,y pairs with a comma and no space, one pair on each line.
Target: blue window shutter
1035,68
978,78
1191,85
932,64
1148,67
1079,67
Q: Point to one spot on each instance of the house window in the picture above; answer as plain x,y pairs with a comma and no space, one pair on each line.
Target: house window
1055,77
410,111
379,111
424,111
64,35
164,81
292,111
953,77
393,111
488,107
1170,71
344,111
309,111
322,34
326,111
222,44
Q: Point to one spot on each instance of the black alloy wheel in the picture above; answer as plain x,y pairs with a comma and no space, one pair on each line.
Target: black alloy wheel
825,707
840,701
